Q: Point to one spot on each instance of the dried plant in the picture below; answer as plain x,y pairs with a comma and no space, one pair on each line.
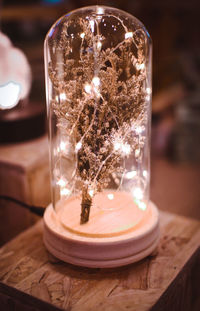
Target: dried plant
103,83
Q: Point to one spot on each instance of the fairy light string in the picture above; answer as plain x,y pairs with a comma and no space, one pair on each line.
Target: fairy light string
99,100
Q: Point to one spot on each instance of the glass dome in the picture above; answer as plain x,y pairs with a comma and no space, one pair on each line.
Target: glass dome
98,89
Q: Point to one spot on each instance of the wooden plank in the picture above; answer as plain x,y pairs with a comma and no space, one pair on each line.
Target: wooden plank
24,171
155,282
24,175
183,292
12,299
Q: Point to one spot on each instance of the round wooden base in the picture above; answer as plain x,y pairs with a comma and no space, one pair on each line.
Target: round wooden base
101,252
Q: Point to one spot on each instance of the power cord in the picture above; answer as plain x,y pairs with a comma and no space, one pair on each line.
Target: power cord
38,210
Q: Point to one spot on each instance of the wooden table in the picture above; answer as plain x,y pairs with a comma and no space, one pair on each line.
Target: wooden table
31,279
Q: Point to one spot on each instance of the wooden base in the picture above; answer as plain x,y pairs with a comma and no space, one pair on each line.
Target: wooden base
113,213
101,251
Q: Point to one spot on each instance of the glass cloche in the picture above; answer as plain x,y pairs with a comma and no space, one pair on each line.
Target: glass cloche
98,89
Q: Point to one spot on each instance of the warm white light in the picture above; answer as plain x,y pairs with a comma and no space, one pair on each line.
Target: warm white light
128,35
65,191
137,193
147,97
117,146
91,193
57,150
93,87
100,10
120,146
126,149
137,152
82,35
88,88
142,205
63,96
63,146
99,45
92,25
61,182
138,129
96,81
131,174
144,173
148,90
78,146
110,196
140,66
9,95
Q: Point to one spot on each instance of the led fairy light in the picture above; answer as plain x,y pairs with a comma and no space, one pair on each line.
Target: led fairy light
128,35
78,146
63,96
110,196
99,45
82,35
131,174
142,205
100,10
145,173
91,192
123,148
88,88
99,103
63,146
92,25
65,192
139,129
140,66
62,182
138,193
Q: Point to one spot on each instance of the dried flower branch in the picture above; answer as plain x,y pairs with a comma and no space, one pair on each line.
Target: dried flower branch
104,96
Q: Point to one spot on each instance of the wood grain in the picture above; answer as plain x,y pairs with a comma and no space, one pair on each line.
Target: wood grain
167,280
24,171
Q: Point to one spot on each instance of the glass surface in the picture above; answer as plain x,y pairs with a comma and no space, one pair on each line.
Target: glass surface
98,89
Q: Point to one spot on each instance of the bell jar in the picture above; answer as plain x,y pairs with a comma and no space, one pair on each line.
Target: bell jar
98,90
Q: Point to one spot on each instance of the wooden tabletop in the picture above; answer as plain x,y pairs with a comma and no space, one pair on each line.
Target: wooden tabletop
32,279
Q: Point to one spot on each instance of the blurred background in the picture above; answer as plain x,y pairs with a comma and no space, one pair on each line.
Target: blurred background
174,26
